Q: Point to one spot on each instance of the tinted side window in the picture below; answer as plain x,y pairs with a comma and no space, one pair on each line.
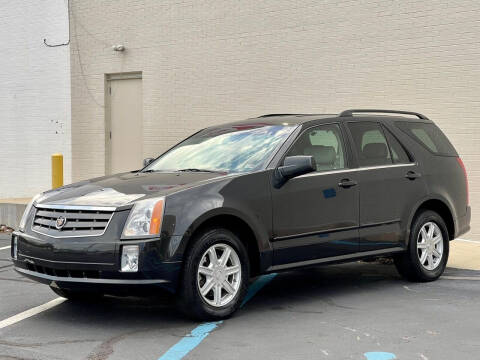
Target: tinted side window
399,154
370,144
325,144
428,135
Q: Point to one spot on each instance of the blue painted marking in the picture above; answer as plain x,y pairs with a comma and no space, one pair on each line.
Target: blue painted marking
329,193
256,286
379,356
189,342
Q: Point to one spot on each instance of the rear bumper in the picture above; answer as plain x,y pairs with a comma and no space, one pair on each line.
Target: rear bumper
74,265
463,223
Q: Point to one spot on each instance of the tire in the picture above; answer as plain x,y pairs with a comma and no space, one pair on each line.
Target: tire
409,264
78,296
202,268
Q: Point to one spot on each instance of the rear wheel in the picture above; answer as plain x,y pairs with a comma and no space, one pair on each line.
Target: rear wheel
428,249
215,275
79,296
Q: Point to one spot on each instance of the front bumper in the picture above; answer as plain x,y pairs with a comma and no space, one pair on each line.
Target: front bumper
93,263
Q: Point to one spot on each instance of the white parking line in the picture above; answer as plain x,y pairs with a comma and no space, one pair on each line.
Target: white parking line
470,241
472,278
5,248
31,312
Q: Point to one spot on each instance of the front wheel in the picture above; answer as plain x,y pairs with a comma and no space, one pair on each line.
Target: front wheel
428,249
215,275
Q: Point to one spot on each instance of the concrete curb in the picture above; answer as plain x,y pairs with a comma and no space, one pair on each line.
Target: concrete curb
464,255
10,214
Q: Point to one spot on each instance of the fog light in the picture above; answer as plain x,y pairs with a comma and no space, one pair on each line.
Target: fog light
130,258
14,247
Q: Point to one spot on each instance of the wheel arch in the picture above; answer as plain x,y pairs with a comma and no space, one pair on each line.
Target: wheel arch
235,223
441,207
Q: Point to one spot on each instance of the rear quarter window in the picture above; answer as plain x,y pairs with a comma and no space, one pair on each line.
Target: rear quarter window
429,136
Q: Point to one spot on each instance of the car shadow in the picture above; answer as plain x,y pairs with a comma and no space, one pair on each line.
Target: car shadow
121,312
324,283
287,290
290,288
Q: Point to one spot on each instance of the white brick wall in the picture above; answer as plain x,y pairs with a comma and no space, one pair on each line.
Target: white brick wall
206,62
34,95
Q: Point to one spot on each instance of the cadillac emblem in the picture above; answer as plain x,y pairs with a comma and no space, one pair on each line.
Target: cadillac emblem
60,222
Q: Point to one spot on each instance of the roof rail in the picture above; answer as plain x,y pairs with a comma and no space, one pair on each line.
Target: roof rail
268,115
352,111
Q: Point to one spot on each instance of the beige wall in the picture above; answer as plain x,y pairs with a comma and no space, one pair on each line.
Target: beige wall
206,62
34,97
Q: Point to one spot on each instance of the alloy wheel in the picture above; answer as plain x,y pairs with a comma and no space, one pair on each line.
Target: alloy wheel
430,246
219,275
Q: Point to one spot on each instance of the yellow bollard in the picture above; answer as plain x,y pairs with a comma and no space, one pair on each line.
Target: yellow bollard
57,170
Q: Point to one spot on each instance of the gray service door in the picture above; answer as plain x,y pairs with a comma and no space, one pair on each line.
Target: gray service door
125,138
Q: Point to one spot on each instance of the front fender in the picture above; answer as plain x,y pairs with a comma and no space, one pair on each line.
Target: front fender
246,197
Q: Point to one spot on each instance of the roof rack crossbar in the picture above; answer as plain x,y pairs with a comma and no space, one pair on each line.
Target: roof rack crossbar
352,111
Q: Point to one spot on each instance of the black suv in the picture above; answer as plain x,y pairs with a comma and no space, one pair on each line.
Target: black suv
247,198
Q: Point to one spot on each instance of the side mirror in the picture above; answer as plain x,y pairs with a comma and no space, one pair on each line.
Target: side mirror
147,161
293,166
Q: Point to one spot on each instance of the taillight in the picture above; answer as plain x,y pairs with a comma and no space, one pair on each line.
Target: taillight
462,165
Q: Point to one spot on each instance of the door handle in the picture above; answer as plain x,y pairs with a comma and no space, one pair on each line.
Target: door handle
346,183
412,175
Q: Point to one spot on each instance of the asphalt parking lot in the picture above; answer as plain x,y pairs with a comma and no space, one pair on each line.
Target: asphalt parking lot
350,311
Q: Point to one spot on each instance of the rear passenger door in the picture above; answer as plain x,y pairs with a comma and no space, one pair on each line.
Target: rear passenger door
390,184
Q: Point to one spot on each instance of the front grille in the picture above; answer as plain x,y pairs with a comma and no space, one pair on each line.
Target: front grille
77,222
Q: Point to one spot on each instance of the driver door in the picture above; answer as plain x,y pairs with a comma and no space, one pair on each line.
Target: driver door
316,215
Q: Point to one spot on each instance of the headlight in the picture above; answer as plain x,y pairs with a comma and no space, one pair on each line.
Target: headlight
23,221
145,218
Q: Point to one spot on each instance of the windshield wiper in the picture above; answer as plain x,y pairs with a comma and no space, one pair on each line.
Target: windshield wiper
150,171
198,170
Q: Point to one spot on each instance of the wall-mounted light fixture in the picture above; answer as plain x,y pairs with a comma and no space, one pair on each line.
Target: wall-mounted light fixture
118,48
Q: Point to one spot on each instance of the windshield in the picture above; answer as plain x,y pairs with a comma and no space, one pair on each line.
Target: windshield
239,148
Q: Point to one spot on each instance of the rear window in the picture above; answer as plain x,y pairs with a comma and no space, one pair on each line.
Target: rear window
428,135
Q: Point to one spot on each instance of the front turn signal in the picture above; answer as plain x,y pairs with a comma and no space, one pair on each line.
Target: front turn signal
157,215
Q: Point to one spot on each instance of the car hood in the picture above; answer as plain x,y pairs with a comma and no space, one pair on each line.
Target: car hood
123,189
